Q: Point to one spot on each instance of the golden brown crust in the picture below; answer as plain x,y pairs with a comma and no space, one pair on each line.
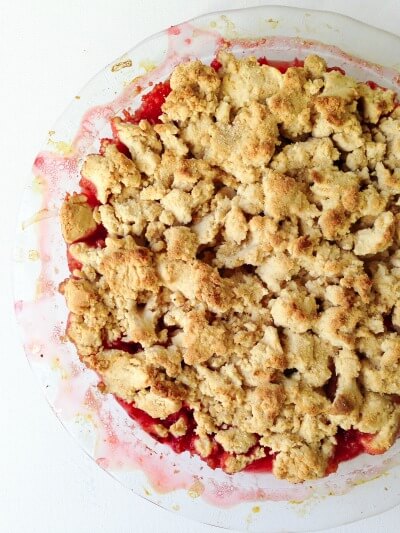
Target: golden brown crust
301,463
245,81
128,272
245,146
194,90
252,252
202,340
110,173
76,218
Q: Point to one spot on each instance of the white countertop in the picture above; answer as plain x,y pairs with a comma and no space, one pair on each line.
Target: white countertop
48,50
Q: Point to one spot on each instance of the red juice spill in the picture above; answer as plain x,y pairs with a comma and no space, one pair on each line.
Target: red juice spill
349,445
337,69
88,188
263,61
130,347
215,64
150,108
282,66
373,85
395,398
174,30
186,442
95,240
73,264
120,146
261,465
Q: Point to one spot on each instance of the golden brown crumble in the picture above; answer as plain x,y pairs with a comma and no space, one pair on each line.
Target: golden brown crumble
252,252
77,220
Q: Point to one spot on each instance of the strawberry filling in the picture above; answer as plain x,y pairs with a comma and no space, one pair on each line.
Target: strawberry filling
349,445
150,108
282,66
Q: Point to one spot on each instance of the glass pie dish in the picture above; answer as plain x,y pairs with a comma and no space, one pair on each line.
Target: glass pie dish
182,483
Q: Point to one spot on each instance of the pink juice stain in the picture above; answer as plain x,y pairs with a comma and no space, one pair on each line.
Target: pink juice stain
174,30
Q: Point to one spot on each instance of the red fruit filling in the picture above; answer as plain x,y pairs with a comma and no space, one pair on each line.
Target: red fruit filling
150,108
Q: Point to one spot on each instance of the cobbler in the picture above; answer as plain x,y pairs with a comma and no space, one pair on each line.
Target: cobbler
235,272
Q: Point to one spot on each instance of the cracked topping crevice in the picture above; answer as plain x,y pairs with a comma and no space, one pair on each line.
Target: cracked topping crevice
236,275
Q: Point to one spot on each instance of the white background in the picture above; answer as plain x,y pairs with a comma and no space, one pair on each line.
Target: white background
48,50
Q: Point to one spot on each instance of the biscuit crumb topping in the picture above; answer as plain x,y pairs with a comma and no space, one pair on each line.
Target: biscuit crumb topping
250,272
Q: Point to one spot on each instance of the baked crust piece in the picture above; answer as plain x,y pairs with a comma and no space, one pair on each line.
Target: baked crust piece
252,253
76,218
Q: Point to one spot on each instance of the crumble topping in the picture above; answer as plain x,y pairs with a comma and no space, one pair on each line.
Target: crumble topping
251,260
76,217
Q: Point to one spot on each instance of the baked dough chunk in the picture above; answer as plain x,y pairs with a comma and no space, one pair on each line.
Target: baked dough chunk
284,197
246,293
292,104
142,142
245,147
389,128
110,173
123,374
129,271
202,340
294,309
76,217
303,462
375,102
182,243
376,239
194,90
382,375
245,81
313,153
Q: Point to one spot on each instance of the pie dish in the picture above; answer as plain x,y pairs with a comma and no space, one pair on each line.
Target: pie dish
243,485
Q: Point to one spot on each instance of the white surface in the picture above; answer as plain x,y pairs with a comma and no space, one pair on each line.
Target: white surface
48,50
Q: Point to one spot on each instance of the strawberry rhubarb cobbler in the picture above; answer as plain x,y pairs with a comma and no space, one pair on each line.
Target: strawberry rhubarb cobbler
235,272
